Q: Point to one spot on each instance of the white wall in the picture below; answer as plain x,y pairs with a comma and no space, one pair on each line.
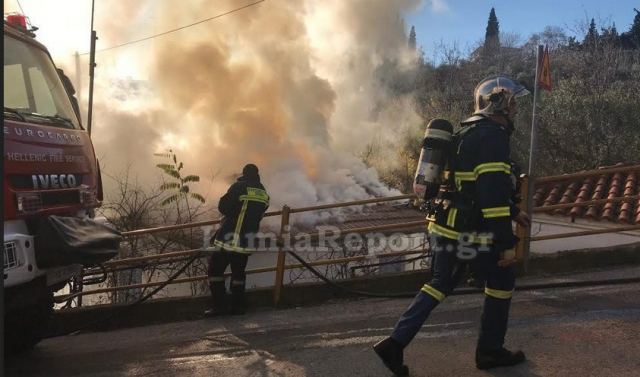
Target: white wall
544,225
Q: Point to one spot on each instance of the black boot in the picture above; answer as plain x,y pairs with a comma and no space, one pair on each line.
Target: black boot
390,352
238,305
502,357
219,294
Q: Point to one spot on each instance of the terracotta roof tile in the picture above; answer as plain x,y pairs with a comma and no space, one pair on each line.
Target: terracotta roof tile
539,196
626,208
598,193
553,196
579,190
583,196
372,215
567,197
614,191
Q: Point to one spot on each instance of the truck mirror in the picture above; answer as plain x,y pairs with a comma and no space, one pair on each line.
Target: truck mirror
71,91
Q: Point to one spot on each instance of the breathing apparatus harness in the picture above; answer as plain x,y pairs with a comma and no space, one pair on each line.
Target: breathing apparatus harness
448,194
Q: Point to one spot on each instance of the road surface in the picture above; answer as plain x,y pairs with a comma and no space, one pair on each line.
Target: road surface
591,331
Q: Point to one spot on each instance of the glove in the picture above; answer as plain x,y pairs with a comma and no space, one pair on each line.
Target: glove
523,219
507,258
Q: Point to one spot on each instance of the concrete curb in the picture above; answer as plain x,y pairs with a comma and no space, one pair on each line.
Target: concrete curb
585,259
108,317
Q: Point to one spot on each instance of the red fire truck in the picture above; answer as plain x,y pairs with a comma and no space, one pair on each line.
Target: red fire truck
52,186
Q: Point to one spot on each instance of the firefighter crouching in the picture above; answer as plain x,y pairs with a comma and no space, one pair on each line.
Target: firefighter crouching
472,226
243,207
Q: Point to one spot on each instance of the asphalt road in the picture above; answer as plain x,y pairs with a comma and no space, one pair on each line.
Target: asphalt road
592,331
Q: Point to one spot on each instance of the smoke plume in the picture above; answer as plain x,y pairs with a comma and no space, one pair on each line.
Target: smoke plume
288,85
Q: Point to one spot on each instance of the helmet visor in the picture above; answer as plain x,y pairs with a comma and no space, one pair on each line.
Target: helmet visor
495,94
520,91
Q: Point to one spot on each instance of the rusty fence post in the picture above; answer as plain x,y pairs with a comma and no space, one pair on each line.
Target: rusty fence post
282,253
524,234
114,298
80,287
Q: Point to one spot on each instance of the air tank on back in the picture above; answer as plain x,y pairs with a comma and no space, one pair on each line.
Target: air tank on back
433,159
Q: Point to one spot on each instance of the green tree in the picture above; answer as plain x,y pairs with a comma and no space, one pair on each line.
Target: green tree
591,39
634,32
590,118
178,185
178,191
610,35
492,35
412,38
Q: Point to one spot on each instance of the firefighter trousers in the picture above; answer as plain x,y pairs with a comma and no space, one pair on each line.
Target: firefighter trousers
217,266
447,270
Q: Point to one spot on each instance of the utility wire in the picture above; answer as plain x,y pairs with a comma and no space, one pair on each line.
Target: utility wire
178,29
20,5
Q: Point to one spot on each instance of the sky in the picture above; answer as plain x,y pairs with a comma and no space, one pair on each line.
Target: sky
464,21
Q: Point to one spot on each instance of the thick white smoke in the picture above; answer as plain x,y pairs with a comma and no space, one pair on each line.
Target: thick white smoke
288,85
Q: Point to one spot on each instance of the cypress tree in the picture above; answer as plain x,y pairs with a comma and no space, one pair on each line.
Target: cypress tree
634,32
592,36
492,36
412,38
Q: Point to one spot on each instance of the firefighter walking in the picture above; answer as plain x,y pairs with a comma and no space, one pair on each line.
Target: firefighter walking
243,207
472,226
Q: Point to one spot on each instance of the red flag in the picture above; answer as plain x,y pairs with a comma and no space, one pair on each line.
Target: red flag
544,79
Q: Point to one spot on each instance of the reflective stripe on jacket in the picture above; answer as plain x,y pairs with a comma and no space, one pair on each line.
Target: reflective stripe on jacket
243,207
483,182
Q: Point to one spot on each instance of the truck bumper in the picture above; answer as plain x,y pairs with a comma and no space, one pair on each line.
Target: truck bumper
19,259
20,265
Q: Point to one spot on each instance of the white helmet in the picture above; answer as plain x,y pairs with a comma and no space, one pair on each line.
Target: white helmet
493,95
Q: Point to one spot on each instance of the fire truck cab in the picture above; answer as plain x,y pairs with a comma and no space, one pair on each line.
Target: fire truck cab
51,187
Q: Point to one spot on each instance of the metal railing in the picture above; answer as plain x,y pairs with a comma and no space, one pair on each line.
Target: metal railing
279,268
522,248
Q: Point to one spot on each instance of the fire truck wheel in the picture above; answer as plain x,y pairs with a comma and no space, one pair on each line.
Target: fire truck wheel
26,327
